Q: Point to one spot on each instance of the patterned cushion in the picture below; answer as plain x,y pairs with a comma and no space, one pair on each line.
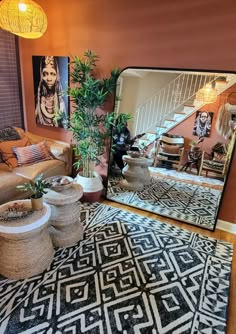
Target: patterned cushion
168,156
214,165
172,149
6,149
32,154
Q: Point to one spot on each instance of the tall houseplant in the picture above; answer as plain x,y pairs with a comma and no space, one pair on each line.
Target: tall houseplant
89,124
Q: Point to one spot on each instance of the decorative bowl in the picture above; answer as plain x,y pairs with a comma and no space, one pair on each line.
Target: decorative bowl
60,182
134,154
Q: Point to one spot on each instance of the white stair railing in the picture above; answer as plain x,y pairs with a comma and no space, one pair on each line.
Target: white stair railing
172,98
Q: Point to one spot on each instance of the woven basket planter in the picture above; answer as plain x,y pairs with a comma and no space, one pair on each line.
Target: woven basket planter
92,187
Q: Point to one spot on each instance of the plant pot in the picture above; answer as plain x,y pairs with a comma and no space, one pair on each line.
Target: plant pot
37,203
194,148
92,187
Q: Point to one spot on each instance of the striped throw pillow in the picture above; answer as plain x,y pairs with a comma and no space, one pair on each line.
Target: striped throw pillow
32,154
7,153
172,149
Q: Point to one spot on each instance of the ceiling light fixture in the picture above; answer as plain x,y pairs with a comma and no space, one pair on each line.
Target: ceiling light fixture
207,94
24,18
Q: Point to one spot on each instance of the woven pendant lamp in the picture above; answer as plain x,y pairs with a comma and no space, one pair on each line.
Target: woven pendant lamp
207,94
24,18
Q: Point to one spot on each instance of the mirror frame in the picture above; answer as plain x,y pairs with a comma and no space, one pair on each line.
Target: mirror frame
183,70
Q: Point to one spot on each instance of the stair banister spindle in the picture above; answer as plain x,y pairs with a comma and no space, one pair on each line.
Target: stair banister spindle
137,117
147,114
167,100
173,95
153,110
201,82
191,84
195,87
162,106
181,78
205,80
157,109
142,117
172,99
186,87
150,111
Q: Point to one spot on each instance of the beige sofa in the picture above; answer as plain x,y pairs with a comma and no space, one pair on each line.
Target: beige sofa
60,165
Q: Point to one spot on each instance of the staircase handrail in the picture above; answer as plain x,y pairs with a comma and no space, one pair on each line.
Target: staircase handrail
203,79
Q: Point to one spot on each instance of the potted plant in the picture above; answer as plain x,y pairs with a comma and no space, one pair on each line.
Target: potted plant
37,189
91,126
194,144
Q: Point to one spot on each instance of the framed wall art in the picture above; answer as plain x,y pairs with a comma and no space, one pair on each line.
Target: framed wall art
51,77
202,124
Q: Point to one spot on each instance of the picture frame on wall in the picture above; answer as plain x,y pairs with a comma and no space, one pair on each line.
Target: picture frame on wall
51,77
202,124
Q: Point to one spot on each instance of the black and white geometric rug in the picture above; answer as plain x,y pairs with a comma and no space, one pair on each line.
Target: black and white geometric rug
198,179
129,275
190,203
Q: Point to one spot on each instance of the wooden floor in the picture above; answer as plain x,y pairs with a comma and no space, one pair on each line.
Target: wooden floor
218,234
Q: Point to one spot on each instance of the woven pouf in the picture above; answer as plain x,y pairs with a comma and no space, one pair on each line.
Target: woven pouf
25,245
65,227
135,172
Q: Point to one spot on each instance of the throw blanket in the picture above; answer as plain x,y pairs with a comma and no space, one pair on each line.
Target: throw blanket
9,133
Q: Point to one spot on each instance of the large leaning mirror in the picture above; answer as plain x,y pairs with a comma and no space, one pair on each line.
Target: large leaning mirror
174,156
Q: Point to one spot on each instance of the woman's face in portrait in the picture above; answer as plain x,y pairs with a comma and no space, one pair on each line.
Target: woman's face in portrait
49,75
203,117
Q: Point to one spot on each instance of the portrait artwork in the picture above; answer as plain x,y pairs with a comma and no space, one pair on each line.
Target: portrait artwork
51,77
202,124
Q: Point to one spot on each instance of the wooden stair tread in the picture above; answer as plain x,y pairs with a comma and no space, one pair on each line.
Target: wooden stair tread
189,105
171,120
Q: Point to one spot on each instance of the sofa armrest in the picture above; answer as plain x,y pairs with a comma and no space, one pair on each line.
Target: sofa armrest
59,149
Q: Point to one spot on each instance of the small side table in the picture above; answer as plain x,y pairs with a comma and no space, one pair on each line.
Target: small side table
136,173
25,245
65,227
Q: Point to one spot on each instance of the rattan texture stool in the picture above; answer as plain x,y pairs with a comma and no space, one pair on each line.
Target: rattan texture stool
65,227
25,245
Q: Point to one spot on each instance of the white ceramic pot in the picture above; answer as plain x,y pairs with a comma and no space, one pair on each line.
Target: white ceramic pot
92,187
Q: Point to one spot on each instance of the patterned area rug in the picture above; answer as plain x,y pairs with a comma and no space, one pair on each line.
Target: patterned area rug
182,201
210,182
129,275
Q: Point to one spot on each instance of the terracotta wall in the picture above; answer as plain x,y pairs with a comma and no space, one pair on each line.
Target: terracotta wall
173,34
186,128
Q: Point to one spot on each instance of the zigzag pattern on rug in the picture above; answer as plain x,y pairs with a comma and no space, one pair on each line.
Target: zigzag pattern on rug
190,203
130,274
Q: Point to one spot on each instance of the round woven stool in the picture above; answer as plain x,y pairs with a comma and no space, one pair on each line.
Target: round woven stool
136,173
25,245
65,227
